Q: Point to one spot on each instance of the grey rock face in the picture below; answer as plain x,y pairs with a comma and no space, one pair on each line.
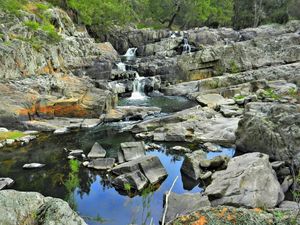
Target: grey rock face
136,181
133,150
248,181
97,151
270,128
102,164
182,204
6,182
35,209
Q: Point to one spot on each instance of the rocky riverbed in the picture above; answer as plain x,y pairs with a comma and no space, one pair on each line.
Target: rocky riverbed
108,127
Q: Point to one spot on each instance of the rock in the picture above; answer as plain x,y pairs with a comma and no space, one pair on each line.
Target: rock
191,164
102,164
31,132
153,169
135,180
182,204
180,149
153,146
76,153
6,183
70,157
10,142
219,161
36,209
287,183
213,100
85,163
212,147
97,151
277,164
27,139
244,183
64,130
149,165
3,129
270,128
206,175
230,110
289,205
133,150
33,165
228,215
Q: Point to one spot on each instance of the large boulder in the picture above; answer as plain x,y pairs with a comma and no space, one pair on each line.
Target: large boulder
102,164
97,151
131,181
191,164
248,181
182,204
270,128
34,208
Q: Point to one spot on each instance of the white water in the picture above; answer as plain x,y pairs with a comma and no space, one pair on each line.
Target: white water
121,66
138,88
131,53
186,46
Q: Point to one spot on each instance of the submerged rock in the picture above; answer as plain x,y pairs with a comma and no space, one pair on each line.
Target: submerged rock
34,208
97,151
33,165
182,204
248,181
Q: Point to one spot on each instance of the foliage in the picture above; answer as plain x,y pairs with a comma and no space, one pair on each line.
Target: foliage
234,67
127,187
72,182
12,6
270,93
32,25
11,135
293,92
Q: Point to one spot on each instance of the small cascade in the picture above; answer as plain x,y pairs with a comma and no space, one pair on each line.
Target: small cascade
130,54
186,46
138,88
121,66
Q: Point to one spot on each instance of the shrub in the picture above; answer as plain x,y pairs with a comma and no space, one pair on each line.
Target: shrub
32,25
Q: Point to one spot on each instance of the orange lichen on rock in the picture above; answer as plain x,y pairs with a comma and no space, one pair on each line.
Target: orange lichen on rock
201,221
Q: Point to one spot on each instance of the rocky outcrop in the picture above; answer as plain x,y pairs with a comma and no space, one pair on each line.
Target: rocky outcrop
34,208
183,204
38,75
270,128
248,181
229,215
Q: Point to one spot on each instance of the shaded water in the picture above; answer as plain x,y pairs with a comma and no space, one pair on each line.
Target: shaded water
90,192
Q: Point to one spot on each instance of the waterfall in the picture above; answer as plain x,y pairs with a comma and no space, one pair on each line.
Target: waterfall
121,66
130,54
186,46
138,88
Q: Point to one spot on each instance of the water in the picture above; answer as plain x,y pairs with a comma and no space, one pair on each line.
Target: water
186,46
121,66
138,88
168,104
90,192
130,54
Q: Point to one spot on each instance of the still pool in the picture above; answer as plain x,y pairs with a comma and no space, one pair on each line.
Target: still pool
90,192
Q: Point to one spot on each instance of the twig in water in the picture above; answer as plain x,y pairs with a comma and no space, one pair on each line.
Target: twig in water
167,199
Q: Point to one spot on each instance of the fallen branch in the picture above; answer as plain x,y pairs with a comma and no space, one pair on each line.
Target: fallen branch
167,200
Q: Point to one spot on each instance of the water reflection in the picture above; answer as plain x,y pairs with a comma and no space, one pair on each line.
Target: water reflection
89,191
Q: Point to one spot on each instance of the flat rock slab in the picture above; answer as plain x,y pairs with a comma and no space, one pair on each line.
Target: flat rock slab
97,151
151,167
135,181
214,100
182,204
102,164
6,182
33,166
133,150
180,149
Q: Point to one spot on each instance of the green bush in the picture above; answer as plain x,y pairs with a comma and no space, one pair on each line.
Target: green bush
12,6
